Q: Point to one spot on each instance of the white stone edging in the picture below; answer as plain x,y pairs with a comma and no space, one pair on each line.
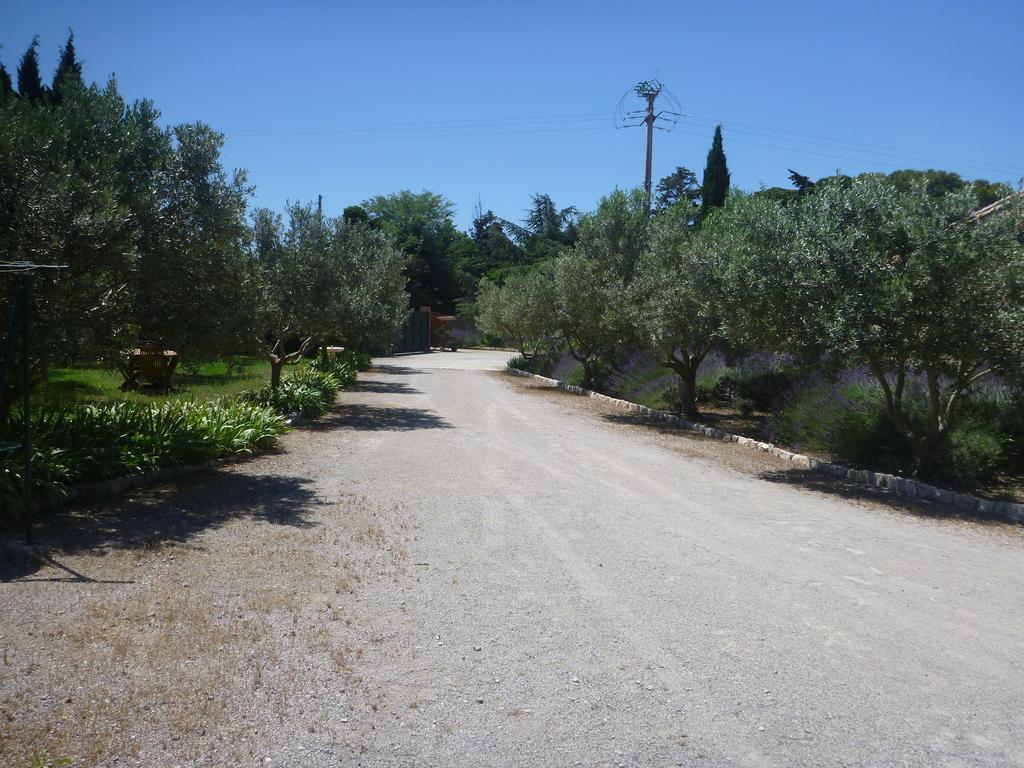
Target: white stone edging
901,486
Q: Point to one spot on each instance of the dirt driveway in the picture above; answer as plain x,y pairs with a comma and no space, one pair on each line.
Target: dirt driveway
459,568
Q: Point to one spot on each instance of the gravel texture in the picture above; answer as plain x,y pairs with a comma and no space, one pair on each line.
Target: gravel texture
462,568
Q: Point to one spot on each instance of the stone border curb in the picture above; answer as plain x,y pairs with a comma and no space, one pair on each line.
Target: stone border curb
901,486
115,486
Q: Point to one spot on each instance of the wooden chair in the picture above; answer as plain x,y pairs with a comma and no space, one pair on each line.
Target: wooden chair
149,368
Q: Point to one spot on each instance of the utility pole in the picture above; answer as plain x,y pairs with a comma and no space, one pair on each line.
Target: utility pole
649,91
650,95
320,206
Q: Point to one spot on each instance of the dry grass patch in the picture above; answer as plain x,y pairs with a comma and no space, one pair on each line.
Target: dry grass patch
202,653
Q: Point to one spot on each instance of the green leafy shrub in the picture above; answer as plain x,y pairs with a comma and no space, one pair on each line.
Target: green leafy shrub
341,368
290,398
85,443
357,359
570,370
308,391
328,382
971,456
520,363
641,379
82,443
709,386
986,439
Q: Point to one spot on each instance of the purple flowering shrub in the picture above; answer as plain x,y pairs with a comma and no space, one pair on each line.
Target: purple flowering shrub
841,416
844,416
641,379
466,337
757,381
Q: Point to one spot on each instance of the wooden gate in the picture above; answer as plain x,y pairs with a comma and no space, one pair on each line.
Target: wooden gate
415,333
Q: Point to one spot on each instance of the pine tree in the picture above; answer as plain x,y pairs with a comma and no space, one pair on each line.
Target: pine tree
802,183
716,176
679,185
6,87
30,84
68,70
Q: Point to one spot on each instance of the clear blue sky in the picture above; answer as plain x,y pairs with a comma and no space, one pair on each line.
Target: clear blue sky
299,87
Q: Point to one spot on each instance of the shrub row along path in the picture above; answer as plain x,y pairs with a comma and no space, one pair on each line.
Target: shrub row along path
458,567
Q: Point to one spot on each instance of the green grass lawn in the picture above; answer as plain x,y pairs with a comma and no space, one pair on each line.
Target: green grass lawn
206,382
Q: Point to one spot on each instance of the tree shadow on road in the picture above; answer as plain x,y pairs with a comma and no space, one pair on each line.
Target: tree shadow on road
735,423
398,370
386,388
155,517
810,480
370,418
851,490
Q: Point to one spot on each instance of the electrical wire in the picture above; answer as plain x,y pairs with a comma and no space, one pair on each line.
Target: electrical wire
407,137
830,155
769,138
845,145
428,124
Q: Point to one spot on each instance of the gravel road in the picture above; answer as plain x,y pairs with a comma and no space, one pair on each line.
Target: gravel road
563,587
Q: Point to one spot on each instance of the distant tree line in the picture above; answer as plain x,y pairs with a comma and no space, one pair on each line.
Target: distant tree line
443,264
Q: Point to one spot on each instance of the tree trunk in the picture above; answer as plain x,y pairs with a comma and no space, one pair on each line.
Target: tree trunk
5,411
923,443
688,391
588,376
686,368
276,367
924,453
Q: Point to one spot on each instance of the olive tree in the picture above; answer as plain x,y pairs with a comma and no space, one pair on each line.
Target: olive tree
590,282
297,284
62,202
193,284
518,312
371,301
676,298
908,285
322,279
151,227
586,295
617,232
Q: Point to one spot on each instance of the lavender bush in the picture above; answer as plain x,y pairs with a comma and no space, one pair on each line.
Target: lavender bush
844,416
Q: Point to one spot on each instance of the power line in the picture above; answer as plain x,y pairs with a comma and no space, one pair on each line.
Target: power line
440,124
846,145
377,137
853,151
830,155
848,154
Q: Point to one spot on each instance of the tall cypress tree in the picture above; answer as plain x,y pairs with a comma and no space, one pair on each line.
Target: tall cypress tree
30,84
6,87
68,70
716,176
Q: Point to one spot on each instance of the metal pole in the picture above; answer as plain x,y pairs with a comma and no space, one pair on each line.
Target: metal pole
26,383
650,144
